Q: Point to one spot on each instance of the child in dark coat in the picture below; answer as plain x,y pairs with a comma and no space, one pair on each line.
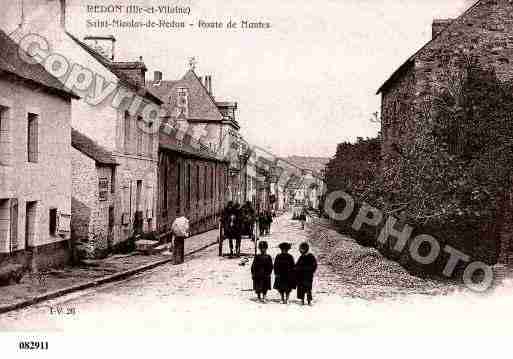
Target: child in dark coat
268,222
261,270
284,272
305,268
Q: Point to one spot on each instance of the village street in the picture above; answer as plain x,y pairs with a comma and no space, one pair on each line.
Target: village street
209,295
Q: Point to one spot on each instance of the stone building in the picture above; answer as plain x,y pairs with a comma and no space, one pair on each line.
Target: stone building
483,33
35,163
112,111
129,133
192,182
191,107
93,201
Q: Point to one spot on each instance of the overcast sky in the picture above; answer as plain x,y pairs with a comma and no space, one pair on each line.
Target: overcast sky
302,86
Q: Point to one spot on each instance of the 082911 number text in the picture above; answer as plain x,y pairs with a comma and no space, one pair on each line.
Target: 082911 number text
30,345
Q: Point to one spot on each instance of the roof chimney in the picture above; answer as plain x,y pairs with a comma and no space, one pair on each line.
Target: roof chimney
440,25
62,14
209,84
157,76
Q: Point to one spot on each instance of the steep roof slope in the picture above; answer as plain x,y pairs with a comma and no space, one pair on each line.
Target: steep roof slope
114,68
202,105
91,149
411,59
10,61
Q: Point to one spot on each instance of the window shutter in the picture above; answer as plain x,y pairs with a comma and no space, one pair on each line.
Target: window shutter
32,140
14,225
127,131
53,221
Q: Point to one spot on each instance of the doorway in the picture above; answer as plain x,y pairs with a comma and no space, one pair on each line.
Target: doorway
30,224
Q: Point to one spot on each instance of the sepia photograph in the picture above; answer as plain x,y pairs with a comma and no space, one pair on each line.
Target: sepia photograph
267,173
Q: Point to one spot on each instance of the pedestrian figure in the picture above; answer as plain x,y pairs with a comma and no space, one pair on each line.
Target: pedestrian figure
305,268
180,230
231,226
268,222
284,278
248,219
261,223
261,270
302,218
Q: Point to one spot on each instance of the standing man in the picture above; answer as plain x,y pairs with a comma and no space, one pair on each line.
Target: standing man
231,226
302,218
180,229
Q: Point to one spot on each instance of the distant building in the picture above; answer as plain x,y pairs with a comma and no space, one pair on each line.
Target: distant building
35,163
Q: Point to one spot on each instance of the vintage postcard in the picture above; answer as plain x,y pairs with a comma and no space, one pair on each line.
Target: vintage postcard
258,169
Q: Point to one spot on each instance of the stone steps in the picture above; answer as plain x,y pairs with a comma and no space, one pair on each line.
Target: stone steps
148,247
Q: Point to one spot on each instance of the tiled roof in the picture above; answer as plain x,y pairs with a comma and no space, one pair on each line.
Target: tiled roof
161,89
91,149
202,106
11,62
170,143
114,67
410,60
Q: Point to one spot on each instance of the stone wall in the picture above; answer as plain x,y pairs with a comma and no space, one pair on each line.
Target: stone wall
485,34
397,112
45,257
90,213
202,208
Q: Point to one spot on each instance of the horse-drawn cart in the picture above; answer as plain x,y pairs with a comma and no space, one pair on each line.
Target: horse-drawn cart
247,229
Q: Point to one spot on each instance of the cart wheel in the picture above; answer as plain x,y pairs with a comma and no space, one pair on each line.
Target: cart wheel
221,239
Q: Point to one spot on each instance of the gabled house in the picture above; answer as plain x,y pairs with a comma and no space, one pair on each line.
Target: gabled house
191,108
35,163
93,201
483,32
115,110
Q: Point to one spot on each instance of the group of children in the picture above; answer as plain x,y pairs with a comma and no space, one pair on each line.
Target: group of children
288,275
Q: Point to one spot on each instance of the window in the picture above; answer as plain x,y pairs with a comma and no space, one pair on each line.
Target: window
212,177
139,135
220,184
113,180
32,140
13,245
53,221
138,196
150,139
103,188
188,186
182,102
165,188
4,141
197,183
127,124
205,184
